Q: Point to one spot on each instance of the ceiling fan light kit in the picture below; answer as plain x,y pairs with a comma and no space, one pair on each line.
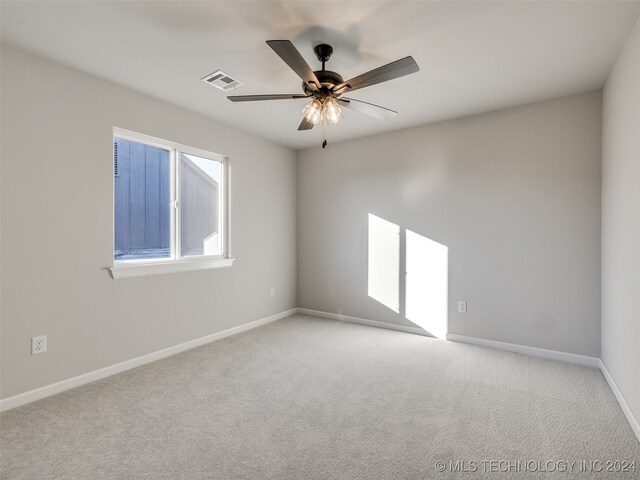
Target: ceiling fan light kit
325,88
331,111
326,111
313,111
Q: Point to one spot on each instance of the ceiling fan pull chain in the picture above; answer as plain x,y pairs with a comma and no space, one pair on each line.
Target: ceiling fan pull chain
324,138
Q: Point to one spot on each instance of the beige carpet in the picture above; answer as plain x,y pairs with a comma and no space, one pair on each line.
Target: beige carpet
305,398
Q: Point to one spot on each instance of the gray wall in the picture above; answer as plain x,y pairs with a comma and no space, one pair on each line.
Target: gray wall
514,194
621,223
57,228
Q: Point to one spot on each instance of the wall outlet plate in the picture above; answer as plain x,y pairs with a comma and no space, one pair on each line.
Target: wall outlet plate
462,306
38,344
272,292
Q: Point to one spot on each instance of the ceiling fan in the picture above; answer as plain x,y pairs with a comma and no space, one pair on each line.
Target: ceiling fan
325,88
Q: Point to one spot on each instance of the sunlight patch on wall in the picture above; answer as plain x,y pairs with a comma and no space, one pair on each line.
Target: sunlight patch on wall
384,262
427,283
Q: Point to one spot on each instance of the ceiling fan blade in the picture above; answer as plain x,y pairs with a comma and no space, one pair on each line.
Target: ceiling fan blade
305,124
399,68
291,56
254,98
366,108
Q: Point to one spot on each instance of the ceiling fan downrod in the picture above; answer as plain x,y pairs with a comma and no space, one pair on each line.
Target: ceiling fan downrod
323,53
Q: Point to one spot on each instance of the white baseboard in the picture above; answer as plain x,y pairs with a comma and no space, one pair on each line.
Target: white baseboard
454,337
363,321
61,386
52,389
526,350
633,421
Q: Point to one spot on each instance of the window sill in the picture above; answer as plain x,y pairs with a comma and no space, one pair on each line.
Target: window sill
124,270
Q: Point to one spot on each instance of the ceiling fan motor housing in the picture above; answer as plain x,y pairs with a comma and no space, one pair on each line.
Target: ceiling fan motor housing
327,79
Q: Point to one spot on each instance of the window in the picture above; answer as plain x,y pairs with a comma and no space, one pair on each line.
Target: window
169,206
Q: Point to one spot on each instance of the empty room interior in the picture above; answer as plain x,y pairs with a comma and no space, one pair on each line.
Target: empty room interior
319,240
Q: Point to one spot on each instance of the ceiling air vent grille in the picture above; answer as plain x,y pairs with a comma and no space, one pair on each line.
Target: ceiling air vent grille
222,81
116,171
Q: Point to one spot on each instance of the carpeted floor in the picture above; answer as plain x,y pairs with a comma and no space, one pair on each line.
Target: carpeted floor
305,398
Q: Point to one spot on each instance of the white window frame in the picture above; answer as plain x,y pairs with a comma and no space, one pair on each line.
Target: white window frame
176,262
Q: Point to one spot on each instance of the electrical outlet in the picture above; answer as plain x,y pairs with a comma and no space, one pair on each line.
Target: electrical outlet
38,344
462,306
272,292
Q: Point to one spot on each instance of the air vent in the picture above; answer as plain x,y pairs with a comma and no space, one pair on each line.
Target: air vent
222,81
115,160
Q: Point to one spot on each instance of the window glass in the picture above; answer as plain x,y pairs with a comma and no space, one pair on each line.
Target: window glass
142,201
200,206
169,200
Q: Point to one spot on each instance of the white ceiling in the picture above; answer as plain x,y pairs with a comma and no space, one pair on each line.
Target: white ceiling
474,56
